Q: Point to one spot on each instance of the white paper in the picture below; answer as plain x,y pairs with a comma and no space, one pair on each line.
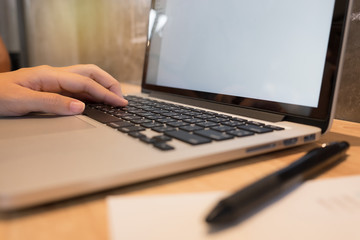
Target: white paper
323,209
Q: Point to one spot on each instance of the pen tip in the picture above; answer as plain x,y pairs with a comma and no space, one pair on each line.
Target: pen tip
218,215
345,144
213,214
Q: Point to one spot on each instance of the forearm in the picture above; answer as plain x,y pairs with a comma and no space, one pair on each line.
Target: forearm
5,64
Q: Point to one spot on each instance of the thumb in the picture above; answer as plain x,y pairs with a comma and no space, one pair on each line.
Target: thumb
55,103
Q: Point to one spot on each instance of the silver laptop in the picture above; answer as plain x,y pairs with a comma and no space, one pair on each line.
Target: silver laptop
223,80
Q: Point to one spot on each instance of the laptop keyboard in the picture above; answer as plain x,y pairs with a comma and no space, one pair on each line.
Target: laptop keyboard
189,125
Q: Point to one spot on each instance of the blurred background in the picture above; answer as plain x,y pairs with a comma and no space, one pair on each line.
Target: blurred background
112,35
108,33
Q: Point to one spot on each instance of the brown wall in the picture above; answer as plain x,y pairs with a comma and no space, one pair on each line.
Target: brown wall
348,105
109,33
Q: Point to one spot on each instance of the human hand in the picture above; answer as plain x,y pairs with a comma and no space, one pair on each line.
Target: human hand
53,89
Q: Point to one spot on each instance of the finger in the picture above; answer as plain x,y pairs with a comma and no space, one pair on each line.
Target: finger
53,103
55,80
97,74
79,85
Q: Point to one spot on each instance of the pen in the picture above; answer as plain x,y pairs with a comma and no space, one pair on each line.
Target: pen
247,200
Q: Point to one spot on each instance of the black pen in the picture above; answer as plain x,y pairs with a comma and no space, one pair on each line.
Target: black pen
252,197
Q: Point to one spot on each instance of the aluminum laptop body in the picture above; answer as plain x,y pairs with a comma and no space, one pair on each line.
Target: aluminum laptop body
275,63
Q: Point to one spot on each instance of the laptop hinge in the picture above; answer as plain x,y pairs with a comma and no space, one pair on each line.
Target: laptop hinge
266,116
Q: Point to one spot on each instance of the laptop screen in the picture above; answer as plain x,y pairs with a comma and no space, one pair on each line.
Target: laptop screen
268,54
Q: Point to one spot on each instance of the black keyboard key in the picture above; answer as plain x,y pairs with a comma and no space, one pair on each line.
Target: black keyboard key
169,114
119,114
207,124
255,129
181,117
181,110
165,120
131,117
177,124
151,124
192,113
94,105
273,127
147,140
218,119
205,116
145,114
239,119
137,135
191,128
161,138
155,116
135,111
131,129
119,124
233,123
223,128
224,116
99,116
105,108
163,129
215,135
111,112
256,123
163,146
158,111
141,120
193,120
187,137
126,115
240,133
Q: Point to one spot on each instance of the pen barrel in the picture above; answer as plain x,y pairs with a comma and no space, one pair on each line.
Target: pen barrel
253,197
273,185
315,161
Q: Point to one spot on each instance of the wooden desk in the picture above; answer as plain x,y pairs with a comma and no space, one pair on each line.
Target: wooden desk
86,217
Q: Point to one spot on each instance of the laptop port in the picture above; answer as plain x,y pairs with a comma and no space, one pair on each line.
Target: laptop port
290,141
309,138
261,148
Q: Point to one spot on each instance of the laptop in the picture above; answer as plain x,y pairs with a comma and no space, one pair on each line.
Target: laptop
223,80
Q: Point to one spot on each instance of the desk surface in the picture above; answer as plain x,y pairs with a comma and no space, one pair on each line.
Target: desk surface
86,217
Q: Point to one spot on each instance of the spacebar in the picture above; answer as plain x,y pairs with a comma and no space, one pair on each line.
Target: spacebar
187,137
99,116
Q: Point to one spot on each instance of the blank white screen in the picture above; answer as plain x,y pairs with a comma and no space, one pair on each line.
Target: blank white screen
271,50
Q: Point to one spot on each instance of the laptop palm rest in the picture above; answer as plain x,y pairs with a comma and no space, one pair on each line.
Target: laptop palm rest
34,125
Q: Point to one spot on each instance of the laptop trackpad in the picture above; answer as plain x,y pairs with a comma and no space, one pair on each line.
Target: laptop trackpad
39,124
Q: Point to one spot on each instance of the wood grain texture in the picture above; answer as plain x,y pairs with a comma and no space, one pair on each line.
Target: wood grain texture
86,217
